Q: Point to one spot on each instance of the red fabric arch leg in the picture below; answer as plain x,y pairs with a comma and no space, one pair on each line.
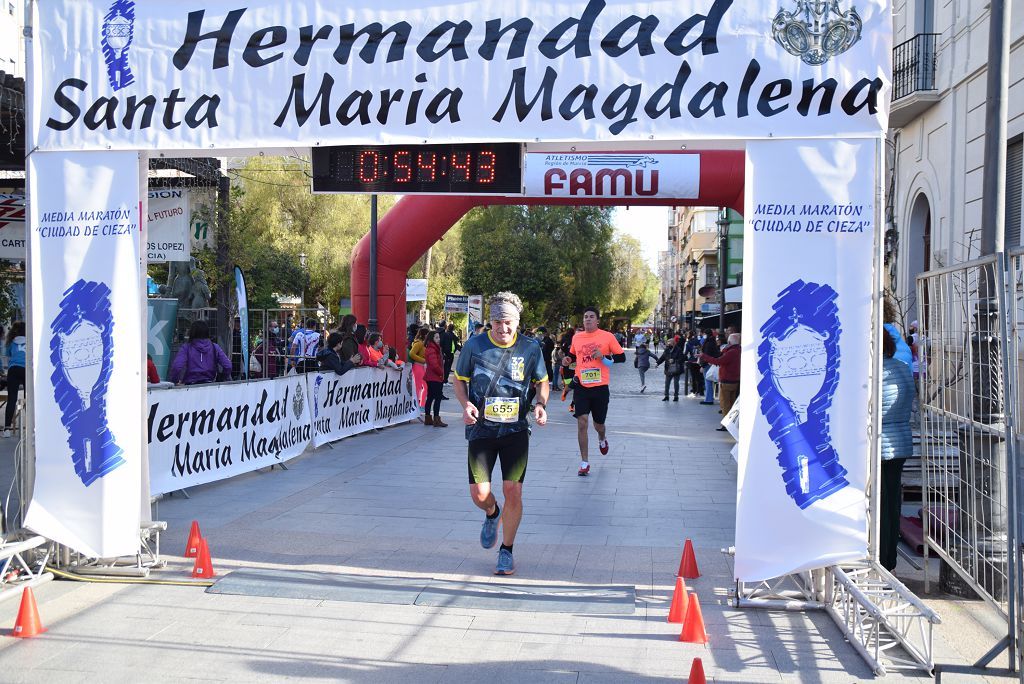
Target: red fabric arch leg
416,222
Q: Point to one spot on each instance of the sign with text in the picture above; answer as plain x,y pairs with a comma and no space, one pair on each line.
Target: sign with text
12,227
168,225
87,349
804,420
454,303
150,74
415,289
204,433
361,399
612,175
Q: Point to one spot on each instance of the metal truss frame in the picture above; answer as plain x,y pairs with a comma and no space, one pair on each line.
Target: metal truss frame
21,565
876,612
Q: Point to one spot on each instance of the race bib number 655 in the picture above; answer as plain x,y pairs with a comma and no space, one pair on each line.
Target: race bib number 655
501,409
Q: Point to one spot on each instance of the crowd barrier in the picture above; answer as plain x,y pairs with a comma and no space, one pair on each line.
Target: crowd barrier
204,433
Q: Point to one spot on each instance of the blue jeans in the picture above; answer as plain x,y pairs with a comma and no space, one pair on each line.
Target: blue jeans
709,391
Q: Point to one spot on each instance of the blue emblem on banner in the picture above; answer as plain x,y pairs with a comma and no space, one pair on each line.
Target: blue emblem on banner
798,360
116,39
81,351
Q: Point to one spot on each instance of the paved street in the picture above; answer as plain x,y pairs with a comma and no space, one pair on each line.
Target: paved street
395,504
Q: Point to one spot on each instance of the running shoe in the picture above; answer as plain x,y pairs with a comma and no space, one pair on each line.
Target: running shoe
489,532
643,388
572,407
584,469
505,565
603,446
565,391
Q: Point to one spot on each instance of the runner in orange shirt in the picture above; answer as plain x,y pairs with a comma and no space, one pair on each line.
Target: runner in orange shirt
594,351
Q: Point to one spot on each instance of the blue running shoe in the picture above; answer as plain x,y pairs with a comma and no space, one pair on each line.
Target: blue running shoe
489,532
505,565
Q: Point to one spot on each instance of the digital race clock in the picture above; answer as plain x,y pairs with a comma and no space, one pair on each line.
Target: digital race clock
403,169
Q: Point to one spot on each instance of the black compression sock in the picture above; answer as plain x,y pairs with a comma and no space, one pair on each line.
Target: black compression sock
507,547
497,512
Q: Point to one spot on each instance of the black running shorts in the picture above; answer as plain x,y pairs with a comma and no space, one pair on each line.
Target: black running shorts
592,400
512,450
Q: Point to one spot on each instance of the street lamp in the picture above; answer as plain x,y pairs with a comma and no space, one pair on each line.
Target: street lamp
302,263
693,287
723,262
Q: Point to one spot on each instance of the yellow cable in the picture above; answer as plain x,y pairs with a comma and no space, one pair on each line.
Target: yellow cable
126,580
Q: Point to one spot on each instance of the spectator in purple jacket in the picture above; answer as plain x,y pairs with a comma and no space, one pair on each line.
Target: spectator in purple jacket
200,359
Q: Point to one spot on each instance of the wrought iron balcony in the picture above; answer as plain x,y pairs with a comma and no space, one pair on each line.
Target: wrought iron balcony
913,65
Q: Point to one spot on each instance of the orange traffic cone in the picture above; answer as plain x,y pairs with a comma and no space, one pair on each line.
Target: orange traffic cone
192,546
27,624
693,626
203,567
688,563
697,673
677,611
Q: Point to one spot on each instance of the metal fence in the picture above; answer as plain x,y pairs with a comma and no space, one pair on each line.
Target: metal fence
269,349
967,376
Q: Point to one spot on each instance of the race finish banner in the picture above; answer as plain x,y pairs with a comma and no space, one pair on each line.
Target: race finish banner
804,419
87,337
360,400
205,433
609,175
193,75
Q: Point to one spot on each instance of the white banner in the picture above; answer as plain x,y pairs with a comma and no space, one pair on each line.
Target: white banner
454,303
167,225
87,338
360,400
12,227
804,443
612,175
415,289
150,74
205,433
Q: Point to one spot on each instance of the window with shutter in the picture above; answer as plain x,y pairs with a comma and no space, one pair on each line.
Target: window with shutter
1014,177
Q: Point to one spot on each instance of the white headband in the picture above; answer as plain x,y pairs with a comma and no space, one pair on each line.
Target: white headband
504,311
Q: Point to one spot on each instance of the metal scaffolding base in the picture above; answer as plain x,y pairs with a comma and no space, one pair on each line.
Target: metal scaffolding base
21,565
148,557
876,613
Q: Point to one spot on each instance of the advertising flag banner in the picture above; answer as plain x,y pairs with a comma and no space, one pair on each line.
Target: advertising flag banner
162,314
87,338
243,316
205,433
360,400
804,419
612,175
168,224
191,75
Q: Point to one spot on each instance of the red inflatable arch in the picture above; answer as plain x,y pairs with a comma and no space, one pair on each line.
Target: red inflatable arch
416,222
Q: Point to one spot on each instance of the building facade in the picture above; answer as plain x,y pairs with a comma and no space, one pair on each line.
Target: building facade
935,146
12,39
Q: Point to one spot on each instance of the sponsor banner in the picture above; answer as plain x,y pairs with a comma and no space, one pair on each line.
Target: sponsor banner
360,400
804,442
205,433
86,340
162,315
415,289
456,303
612,175
12,227
167,225
149,74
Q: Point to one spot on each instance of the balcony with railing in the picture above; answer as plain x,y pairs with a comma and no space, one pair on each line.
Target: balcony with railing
915,89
